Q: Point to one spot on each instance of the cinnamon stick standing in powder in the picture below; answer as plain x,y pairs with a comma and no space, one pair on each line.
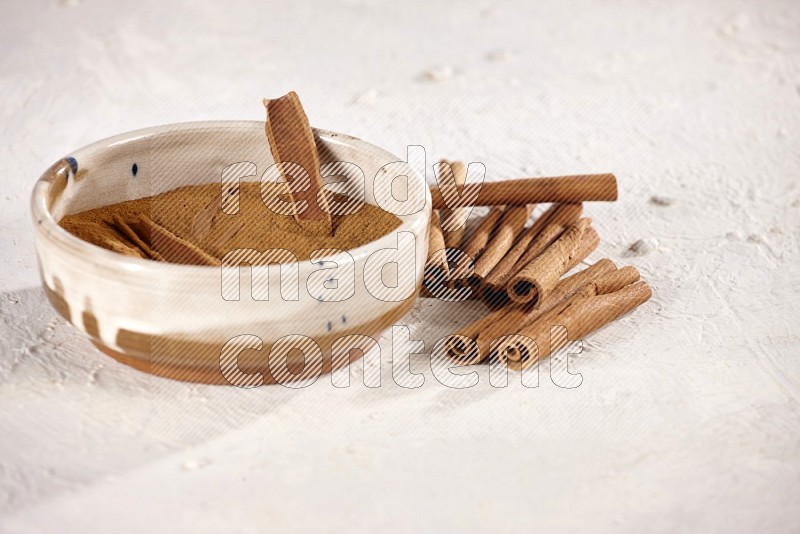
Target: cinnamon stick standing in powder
291,141
510,319
580,315
529,245
454,221
532,283
500,242
519,192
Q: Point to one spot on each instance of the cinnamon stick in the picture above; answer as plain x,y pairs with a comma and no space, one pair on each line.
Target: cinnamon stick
143,244
454,221
476,243
510,319
436,269
580,315
614,280
500,242
291,141
565,216
529,245
588,243
541,275
119,244
171,247
519,192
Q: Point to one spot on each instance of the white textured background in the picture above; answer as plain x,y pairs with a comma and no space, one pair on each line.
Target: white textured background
688,416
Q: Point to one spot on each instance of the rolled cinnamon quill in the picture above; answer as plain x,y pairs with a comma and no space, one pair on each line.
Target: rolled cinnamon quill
613,281
589,242
563,218
529,245
541,275
476,243
500,242
580,315
519,192
454,221
436,269
510,319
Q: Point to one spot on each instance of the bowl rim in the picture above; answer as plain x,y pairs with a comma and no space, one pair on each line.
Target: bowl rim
51,231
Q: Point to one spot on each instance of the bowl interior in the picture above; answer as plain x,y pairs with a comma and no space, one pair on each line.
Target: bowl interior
155,160
155,297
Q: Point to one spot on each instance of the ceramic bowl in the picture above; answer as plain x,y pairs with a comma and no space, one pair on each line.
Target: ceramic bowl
172,320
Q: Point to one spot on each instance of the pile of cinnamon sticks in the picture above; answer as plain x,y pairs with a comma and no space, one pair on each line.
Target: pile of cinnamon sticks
517,270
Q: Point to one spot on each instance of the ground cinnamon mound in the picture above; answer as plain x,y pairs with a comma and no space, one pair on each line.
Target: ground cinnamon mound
193,213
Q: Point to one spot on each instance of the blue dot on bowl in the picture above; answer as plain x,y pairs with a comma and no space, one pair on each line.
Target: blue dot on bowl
134,169
73,164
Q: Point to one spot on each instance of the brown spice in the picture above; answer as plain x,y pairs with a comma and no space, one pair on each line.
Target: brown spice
511,318
254,227
580,315
475,245
529,245
542,274
436,268
454,221
519,192
291,141
503,236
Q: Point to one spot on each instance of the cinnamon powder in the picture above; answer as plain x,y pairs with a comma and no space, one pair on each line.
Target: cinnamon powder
194,214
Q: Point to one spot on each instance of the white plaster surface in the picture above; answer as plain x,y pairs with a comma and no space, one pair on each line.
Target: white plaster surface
688,416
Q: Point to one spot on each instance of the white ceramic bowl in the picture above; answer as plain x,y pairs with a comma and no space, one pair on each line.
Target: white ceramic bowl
171,319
